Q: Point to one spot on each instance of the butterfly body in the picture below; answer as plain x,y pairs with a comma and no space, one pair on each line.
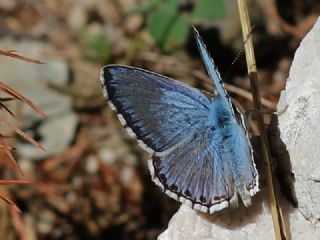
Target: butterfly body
199,149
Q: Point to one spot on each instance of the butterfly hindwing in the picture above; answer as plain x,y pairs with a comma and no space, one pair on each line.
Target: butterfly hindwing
238,152
197,172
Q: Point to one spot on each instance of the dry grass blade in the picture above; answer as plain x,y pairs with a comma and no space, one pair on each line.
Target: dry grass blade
8,110
10,53
6,199
6,99
9,154
10,182
6,136
8,147
21,133
17,95
3,145
252,70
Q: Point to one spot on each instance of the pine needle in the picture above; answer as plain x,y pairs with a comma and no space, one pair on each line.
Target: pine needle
10,202
10,182
9,154
11,53
8,111
252,70
8,147
14,95
4,87
21,133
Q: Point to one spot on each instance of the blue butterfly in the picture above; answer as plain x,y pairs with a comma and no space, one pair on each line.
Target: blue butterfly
200,153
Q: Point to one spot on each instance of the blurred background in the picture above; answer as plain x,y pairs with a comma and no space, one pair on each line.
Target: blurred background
92,180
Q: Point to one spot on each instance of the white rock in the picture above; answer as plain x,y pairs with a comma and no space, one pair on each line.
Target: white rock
299,125
301,133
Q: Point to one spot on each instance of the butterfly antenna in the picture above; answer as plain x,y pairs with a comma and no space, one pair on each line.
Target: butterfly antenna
238,54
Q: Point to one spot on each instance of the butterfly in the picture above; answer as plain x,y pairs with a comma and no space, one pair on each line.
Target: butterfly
200,153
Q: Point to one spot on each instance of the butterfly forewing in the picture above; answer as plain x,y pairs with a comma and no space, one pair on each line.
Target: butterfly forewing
160,112
211,68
